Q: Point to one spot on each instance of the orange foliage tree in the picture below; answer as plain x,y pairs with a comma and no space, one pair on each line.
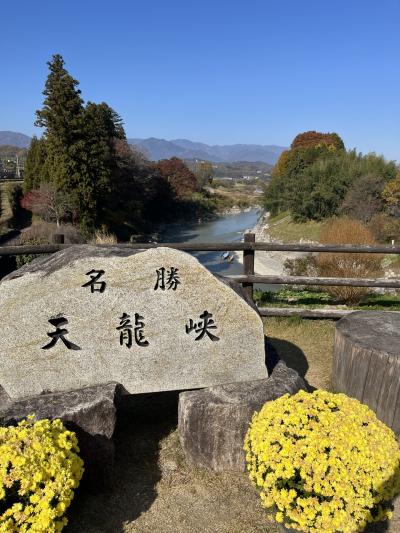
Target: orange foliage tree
311,138
179,176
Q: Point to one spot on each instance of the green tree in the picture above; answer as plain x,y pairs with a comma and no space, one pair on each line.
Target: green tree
34,171
61,118
333,179
80,146
282,192
391,194
98,170
316,176
364,199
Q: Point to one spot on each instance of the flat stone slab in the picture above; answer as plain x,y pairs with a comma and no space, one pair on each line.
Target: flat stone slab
213,422
90,412
152,320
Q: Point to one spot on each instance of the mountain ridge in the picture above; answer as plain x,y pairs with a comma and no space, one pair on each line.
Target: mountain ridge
186,149
12,138
156,149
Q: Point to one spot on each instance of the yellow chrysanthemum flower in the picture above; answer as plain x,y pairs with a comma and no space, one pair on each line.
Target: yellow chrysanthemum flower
39,465
323,461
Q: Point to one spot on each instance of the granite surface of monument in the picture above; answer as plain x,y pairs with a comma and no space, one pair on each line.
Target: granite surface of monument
150,320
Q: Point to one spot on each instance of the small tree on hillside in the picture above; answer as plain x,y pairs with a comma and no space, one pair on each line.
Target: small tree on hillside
48,203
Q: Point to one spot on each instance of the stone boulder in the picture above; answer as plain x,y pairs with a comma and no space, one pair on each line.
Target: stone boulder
213,422
90,412
153,320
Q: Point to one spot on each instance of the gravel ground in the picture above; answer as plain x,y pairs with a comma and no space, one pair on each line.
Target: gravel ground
157,492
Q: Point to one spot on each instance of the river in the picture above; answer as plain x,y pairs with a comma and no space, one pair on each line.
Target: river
226,228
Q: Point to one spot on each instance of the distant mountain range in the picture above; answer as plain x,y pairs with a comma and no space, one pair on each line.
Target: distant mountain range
161,149
156,149
12,138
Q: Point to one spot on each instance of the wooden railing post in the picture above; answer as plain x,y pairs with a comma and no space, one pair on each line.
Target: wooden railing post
248,264
57,238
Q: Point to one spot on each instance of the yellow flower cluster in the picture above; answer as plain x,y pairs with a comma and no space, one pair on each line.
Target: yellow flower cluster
39,468
323,462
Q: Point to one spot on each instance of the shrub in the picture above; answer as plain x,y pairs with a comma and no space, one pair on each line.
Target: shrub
348,265
22,260
103,237
39,470
323,462
301,266
45,230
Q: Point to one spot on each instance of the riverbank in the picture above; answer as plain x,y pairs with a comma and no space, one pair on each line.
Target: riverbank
268,263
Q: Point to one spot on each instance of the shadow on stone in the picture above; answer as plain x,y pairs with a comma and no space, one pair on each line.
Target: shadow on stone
142,421
7,265
291,354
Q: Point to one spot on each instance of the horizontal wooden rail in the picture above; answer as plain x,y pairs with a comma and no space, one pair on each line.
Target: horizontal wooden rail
304,313
302,280
335,314
213,247
32,249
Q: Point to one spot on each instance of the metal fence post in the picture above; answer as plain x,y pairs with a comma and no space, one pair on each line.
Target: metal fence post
248,264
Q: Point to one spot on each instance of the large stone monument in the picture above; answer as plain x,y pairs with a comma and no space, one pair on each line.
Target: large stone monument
152,320
84,326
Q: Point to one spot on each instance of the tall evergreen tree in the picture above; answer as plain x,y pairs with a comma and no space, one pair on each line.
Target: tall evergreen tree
98,168
61,116
35,164
80,155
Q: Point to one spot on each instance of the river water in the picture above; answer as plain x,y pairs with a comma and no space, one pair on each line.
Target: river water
227,228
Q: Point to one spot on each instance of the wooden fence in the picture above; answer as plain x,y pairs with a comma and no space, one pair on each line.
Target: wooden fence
249,278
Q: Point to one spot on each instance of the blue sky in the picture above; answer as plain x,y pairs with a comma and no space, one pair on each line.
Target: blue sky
219,71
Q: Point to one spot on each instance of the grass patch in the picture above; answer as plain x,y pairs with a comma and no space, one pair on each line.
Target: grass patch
279,217
305,345
282,228
6,213
390,302
301,298
309,299
227,198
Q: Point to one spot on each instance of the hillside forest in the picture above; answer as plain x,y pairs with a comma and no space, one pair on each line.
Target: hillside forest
83,172
317,179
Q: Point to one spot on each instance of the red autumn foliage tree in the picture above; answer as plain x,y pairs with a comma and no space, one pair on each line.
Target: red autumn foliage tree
310,138
47,202
178,175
